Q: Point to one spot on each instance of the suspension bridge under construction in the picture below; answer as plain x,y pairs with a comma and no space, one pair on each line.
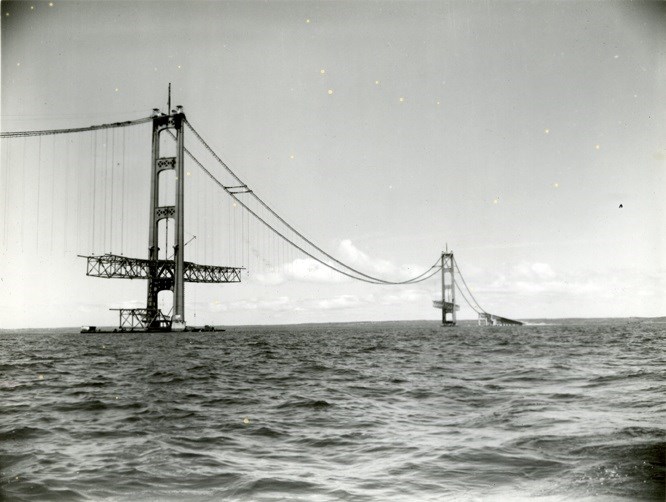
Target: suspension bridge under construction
176,205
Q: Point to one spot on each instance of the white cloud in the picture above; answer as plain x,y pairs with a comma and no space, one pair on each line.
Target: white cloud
358,259
377,267
536,288
541,271
540,278
405,296
284,303
309,270
270,278
300,269
340,302
276,304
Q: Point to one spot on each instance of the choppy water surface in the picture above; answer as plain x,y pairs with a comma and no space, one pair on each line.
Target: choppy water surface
371,411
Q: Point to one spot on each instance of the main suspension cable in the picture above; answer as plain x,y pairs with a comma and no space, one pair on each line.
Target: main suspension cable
369,279
480,311
372,279
467,287
356,274
46,132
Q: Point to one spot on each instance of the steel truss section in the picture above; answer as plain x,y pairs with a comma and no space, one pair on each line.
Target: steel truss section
140,319
486,319
111,266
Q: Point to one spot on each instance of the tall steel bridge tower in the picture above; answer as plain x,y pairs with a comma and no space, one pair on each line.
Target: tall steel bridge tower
162,274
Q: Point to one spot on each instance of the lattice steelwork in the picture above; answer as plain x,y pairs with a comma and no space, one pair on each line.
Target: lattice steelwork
111,266
486,319
142,319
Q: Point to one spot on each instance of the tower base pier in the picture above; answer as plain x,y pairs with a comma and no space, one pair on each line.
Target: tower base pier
110,266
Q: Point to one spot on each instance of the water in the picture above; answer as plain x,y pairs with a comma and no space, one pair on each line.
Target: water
358,412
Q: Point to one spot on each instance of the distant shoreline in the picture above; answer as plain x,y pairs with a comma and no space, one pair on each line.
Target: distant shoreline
462,323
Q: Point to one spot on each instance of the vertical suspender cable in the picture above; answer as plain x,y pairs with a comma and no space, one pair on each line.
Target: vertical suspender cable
455,263
66,174
53,178
229,231
78,198
4,213
113,170
249,243
242,236
203,220
122,205
221,248
267,247
232,247
246,239
94,191
104,183
202,230
238,230
39,177
22,196
262,247
216,226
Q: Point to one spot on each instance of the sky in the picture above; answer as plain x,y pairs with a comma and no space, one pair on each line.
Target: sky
528,137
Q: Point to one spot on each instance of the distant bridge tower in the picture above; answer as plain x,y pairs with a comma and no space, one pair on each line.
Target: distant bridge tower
448,302
162,274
